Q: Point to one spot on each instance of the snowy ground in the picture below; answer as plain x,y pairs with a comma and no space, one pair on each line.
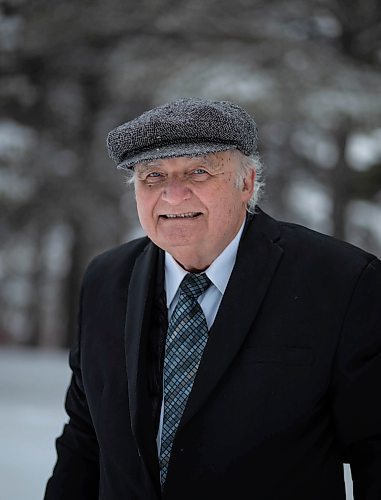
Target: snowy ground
32,391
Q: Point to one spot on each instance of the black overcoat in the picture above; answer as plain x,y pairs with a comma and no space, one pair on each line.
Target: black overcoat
287,390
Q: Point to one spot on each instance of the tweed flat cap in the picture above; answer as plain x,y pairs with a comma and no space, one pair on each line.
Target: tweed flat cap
186,127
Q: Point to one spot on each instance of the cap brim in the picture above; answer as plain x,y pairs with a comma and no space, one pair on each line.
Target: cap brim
174,150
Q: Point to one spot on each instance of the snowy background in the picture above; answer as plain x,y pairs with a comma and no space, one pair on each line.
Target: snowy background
32,390
309,73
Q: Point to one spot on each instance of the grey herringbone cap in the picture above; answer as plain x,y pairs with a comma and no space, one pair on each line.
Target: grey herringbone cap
186,127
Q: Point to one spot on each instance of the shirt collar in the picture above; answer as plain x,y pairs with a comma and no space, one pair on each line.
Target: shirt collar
218,272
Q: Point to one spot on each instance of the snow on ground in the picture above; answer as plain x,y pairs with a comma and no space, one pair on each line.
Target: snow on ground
32,391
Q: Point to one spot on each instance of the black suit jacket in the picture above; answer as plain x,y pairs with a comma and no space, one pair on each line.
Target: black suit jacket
287,390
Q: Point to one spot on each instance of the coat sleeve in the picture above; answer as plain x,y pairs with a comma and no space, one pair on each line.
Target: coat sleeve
356,388
76,472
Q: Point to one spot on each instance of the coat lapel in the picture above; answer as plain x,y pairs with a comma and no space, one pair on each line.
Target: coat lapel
139,307
257,259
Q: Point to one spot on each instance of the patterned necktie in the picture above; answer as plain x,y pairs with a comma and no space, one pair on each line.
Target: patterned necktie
186,338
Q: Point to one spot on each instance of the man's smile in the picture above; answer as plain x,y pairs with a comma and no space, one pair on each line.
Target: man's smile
186,215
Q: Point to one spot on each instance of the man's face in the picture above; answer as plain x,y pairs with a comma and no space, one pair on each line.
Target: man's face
191,206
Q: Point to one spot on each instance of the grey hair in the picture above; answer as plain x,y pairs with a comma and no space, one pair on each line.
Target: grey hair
247,163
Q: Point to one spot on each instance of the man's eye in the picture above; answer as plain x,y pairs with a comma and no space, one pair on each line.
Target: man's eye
199,171
153,177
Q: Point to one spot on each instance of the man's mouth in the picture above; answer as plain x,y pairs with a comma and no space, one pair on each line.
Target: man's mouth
186,215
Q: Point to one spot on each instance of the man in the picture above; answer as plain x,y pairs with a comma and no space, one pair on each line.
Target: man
226,355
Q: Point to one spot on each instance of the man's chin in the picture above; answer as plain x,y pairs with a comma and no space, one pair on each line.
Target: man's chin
173,245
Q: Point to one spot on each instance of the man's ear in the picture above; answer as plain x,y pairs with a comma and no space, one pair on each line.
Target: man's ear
248,182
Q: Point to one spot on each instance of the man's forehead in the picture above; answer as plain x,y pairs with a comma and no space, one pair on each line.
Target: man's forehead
211,159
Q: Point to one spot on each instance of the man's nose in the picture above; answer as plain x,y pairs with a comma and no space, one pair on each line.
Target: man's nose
176,191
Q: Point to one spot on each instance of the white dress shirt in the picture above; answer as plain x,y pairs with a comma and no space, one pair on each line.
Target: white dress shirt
219,274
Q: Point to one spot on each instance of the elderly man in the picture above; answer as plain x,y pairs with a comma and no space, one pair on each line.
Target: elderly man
225,355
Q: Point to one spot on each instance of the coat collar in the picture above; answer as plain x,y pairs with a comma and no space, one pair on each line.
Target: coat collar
142,290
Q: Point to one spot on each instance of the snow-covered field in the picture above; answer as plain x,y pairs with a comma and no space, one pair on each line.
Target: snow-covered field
32,391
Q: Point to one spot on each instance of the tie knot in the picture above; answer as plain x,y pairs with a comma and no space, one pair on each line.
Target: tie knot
193,285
